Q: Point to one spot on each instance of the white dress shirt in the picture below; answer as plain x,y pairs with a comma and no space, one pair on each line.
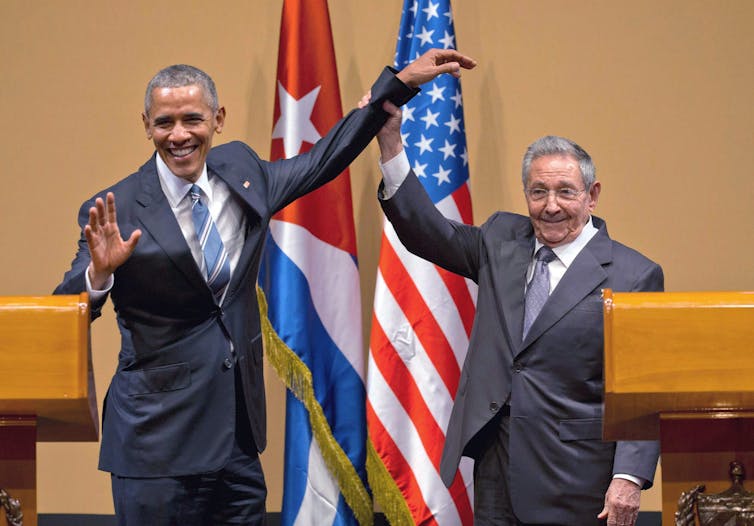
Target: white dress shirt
565,254
226,213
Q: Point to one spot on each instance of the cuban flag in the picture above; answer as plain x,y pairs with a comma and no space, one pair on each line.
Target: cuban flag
422,314
310,277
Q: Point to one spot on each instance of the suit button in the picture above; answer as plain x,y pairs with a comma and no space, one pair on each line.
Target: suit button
494,407
227,363
517,367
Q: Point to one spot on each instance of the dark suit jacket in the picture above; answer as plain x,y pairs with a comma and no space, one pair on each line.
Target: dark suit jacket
559,466
170,408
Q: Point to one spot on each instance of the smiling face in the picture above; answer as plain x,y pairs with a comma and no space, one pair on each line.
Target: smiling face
557,220
181,124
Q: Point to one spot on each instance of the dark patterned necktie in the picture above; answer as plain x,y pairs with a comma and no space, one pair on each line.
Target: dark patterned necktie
215,255
539,287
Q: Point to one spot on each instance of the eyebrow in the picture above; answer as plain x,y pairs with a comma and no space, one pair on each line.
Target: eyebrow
162,119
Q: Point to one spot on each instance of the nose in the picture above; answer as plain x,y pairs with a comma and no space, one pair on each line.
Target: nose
179,133
552,205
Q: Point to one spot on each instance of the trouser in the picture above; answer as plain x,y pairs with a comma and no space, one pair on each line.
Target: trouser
235,494
492,500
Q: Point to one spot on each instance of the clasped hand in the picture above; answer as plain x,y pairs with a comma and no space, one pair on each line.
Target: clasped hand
431,64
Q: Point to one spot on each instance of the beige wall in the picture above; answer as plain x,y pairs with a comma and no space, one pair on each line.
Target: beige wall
659,92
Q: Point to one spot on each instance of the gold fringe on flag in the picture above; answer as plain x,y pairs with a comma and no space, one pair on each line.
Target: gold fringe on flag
386,491
298,378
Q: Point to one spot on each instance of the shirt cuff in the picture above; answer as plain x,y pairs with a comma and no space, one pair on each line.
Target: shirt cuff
636,480
96,295
394,172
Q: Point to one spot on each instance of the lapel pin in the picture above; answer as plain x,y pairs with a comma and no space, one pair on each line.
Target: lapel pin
246,184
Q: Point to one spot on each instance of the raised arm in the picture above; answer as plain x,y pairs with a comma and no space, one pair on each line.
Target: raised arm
107,249
291,178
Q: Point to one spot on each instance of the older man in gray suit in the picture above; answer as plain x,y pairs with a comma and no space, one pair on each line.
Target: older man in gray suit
529,404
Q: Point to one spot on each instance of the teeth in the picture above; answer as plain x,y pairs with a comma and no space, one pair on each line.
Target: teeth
180,152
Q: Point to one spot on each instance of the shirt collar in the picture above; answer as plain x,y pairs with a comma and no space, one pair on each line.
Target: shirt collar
567,253
175,187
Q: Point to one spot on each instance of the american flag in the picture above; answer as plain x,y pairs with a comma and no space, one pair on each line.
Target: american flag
310,276
422,314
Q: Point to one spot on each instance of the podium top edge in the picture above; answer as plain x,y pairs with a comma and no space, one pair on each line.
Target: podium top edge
43,302
716,299
51,299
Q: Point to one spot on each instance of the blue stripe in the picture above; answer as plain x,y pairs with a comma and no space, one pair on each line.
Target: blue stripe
298,437
337,386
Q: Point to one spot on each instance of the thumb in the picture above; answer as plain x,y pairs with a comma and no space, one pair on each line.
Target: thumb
390,108
603,513
131,242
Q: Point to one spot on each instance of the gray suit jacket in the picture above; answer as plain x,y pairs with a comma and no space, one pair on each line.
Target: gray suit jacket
559,467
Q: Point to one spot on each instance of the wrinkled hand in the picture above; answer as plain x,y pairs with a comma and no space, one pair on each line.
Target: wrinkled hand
433,63
621,503
107,248
389,136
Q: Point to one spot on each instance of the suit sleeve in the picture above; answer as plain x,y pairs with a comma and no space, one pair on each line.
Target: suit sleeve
639,457
426,233
289,179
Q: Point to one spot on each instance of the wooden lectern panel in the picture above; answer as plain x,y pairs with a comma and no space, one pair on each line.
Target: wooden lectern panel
675,352
45,365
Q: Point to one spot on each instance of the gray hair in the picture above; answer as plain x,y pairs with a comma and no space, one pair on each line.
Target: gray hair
177,76
553,145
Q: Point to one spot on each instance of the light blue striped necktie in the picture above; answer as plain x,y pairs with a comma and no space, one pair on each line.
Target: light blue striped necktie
215,255
539,287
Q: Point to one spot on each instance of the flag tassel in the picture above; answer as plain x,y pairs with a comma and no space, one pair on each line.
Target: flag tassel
298,378
388,496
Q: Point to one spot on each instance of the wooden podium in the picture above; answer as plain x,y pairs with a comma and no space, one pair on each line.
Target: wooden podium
679,367
46,386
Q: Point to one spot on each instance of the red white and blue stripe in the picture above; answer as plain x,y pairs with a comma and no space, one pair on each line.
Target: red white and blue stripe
422,313
310,277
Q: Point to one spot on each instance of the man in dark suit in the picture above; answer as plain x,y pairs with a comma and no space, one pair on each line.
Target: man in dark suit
529,404
184,416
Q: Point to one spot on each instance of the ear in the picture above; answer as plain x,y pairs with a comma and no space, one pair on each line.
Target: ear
220,119
147,127
594,195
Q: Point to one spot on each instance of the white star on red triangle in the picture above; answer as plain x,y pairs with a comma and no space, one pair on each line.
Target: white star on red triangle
295,123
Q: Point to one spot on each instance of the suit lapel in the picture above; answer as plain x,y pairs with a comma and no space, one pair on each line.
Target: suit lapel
158,219
239,182
246,190
515,256
582,277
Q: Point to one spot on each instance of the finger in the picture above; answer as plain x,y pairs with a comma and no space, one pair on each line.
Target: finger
92,240
100,209
133,240
365,99
603,513
88,233
93,218
466,62
391,108
111,216
451,55
449,67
